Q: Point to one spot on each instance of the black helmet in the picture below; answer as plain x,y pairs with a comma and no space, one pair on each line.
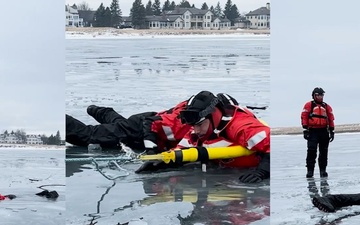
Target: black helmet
198,108
317,90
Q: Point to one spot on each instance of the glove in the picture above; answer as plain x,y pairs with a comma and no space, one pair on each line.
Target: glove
331,135
10,196
306,134
260,173
48,194
151,166
150,147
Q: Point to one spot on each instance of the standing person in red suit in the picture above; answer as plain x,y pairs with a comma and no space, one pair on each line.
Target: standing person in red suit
317,119
220,122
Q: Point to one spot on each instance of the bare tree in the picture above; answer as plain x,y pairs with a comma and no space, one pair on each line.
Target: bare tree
83,6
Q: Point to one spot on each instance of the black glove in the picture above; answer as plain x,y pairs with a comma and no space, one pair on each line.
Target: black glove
260,173
331,135
151,166
10,196
48,194
306,134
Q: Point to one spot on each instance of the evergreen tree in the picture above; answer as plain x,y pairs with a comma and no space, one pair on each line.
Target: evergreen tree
44,139
99,20
227,10
149,9
166,6
218,10
57,138
204,6
172,5
212,9
156,8
115,13
74,6
137,13
107,17
234,13
184,4
6,133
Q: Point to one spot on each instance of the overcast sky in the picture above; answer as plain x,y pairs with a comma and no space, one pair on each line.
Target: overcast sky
125,6
314,43
32,54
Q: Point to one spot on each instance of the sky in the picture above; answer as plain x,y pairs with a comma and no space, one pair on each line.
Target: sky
32,54
313,44
125,6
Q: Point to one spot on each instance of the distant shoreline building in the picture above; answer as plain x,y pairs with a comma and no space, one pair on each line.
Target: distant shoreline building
259,18
31,139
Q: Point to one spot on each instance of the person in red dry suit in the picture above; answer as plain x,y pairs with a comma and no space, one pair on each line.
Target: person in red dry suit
317,119
218,123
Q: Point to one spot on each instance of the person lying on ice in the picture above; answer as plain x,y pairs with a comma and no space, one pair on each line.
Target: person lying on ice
215,124
152,131
155,132
330,203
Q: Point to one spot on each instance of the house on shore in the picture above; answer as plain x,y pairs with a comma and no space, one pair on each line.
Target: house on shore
187,19
72,18
31,139
259,18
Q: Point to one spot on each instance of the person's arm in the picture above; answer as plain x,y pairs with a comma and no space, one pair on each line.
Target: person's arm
331,119
305,119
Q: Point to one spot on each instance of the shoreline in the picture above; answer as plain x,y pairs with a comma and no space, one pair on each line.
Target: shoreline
5,146
343,128
103,32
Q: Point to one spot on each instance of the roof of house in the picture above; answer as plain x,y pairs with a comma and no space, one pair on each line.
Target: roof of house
181,11
164,18
241,19
70,9
224,20
259,11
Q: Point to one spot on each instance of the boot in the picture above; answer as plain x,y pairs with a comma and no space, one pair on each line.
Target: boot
323,172
330,203
310,172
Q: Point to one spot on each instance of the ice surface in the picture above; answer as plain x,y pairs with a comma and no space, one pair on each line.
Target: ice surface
22,172
153,74
291,192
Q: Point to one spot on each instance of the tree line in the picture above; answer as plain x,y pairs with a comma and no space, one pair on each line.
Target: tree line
20,134
112,16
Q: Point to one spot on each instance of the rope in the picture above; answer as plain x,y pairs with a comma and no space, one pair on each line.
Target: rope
117,158
127,157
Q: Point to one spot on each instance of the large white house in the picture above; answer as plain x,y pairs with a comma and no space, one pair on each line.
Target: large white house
72,18
31,139
187,18
259,18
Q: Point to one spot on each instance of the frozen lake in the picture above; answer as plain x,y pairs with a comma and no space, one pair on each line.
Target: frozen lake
152,74
22,172
291,192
